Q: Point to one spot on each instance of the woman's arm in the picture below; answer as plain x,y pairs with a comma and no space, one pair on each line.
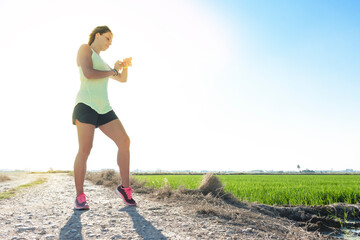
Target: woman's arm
121,77
84,60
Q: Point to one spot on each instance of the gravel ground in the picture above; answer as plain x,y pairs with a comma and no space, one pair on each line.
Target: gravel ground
46,212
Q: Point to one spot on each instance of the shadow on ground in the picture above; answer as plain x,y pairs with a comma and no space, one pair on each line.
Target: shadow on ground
143,227
72,229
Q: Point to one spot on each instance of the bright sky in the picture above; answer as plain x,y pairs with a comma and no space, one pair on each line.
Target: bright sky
215,85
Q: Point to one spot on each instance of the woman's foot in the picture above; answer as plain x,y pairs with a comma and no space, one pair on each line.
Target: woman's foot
125,194
81,203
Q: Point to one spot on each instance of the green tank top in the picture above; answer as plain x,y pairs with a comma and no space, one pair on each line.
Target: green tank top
93,92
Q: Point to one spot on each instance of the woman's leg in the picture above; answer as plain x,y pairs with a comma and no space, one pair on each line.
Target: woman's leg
85,137
117,133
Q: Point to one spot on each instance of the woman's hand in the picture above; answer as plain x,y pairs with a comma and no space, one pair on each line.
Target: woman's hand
127,62
118,65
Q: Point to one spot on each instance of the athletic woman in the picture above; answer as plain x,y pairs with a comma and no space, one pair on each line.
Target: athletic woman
92,110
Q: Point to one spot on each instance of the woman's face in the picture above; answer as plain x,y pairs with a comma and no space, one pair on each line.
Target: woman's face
104,40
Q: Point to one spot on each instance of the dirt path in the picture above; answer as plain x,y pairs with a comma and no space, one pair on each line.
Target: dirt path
18,179
46,212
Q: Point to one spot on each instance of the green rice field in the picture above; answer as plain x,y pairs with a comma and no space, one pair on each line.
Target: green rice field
275,189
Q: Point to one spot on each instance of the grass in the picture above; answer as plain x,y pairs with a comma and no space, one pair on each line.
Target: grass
10,193
265,189
4,178
111,179
175,181
208,185
275,189
208,197
295,189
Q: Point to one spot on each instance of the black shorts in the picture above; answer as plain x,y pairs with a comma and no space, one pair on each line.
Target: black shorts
86,114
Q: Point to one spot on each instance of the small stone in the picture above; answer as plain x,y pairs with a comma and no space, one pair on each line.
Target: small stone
246,229
116,237
50,237
22,229
154,208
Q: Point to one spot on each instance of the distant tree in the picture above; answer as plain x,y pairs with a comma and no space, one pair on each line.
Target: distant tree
298,167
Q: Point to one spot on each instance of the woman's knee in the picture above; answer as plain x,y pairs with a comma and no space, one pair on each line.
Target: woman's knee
124,141
84,152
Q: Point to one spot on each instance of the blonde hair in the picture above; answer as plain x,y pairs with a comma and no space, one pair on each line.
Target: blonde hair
99,29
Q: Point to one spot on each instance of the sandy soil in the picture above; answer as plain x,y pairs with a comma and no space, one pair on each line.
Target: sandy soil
46,212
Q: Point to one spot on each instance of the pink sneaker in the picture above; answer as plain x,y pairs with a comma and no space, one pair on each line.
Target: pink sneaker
125,194
81,203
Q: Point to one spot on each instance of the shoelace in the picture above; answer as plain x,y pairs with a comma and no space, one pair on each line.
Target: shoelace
128,191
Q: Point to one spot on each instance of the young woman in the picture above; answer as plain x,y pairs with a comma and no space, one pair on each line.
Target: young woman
92,110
